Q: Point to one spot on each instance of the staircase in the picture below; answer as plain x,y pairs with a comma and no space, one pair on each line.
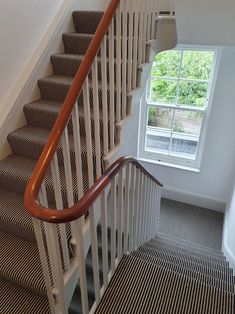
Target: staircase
23,283
60,262
168,275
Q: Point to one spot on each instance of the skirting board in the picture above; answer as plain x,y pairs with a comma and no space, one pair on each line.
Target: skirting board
194,199
229,256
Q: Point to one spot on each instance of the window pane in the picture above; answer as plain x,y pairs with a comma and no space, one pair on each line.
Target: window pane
167,64
160,117
163,91
186,132
192,94
158,140
159,129
197,64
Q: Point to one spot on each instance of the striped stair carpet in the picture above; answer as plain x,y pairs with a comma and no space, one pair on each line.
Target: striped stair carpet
22,288
171,276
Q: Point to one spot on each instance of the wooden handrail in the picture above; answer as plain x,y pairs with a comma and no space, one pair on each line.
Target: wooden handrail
45,159
83,205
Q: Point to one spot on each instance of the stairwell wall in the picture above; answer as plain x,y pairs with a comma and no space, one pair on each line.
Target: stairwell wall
22,24
229,229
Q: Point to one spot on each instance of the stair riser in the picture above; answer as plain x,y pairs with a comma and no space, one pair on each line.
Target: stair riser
81,23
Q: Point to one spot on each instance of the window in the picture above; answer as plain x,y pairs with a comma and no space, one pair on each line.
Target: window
177,106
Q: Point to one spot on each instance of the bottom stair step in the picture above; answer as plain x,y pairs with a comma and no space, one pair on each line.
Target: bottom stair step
140,287
20,263
17,300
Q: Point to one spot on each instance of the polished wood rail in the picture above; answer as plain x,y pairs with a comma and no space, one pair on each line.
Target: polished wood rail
84,204
66,110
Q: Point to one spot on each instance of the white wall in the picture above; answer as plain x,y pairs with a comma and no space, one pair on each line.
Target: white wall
206,22
229,229
22,24
211,187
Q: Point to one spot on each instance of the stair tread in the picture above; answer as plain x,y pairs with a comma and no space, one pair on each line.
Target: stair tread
15,299
14,217
190,245
57,79
163,291
30,141
49,109
187,271
200,267
14,168
219,259
22,265
189,255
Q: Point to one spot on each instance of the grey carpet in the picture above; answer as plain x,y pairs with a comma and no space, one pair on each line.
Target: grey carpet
192,223
22,287
148,282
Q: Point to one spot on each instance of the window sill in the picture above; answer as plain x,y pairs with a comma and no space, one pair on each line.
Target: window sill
168,164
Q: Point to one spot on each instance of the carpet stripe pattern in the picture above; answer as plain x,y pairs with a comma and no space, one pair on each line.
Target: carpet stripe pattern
22,287
147,283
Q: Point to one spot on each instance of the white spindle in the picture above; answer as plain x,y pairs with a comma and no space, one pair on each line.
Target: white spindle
80,254
119,63
87,114
149,20
135,48
130,45
136,207
58,278
95,259
132,208
144,209
120,213
153,207
104,238
127,209
150,209
96,115
67,167
113,225
140,35
111,84
124,58
145,15
77,150
140,208
59,205
43,257
104,95
147,220
153,21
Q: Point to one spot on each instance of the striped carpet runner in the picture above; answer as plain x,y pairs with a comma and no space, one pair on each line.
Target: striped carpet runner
171,276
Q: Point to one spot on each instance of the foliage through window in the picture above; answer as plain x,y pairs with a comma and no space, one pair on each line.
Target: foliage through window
177,102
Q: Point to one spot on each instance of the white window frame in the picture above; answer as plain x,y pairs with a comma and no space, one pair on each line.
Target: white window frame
174,161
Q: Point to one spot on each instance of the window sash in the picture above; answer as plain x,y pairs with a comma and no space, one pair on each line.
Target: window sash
171,155
174,160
